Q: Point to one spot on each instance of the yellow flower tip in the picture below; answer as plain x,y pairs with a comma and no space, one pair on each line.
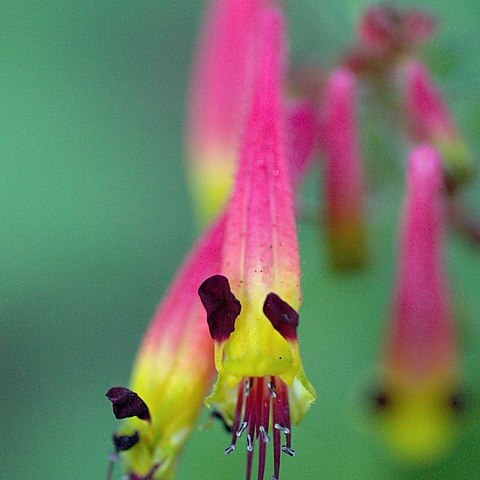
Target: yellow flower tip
150,439
418,420
457,159
347,243
211,183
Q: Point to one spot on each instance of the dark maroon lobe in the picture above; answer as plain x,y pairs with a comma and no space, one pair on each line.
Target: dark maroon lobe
221,305
125,442
283,317
127,404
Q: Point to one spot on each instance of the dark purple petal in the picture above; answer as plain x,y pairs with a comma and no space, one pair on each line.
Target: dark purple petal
125,442
127,404
221,305
283,317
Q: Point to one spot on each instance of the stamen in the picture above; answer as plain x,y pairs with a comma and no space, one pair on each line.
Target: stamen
249,443
241,429
248,385
282,429
288,451
238,414
112,460
262,402
263,433
271,388
229,449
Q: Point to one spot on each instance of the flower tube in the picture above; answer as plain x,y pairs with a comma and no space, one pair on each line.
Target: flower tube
419,397
252,306
344,184
221,86
172,373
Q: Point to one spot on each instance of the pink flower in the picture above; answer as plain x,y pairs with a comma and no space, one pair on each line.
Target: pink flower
429,120
173,371
344,184
252,306
419,395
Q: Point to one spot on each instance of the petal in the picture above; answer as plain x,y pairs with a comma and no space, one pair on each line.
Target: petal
127,403
221,305
283,317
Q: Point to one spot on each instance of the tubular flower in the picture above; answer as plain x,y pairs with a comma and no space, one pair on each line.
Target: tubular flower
172,373
344,184
419,393
252,307
221,86
429,120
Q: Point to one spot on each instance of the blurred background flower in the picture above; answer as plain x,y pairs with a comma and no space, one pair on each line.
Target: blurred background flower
95,219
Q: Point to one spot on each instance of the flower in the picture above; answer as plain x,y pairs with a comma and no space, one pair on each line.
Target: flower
252,306
419,396
385,34
172,373
344,184
429,120
220,87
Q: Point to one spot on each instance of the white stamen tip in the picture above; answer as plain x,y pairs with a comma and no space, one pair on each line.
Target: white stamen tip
265,436
271,388
283,429
289,451
229,449
249,444
241,429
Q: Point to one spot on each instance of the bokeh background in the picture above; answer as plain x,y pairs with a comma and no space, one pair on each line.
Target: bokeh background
95,217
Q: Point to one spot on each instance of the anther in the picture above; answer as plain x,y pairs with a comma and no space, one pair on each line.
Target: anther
247,387
271,388
282,429
249,443
289,451
264,434
229,449
241,429
113,457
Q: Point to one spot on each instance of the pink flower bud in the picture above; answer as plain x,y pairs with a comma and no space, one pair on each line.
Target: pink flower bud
419,397
344,184
429,120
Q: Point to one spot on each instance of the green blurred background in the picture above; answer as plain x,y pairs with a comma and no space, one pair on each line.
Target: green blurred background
95,218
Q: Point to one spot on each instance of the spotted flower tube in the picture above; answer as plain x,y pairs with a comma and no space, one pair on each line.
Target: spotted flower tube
173,372
252,306
419,397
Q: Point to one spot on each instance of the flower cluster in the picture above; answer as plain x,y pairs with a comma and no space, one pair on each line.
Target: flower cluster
233,309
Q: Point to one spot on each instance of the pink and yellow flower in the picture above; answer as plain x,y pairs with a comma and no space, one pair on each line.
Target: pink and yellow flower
172,373
419,396
429,120
221,86
344,184
252,306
